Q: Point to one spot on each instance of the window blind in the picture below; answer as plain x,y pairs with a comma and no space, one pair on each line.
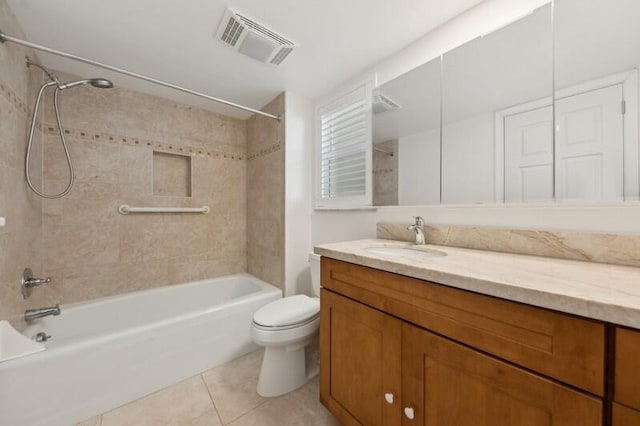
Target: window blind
344,135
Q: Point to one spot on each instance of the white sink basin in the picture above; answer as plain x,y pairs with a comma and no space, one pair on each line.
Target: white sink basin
15,345
406,252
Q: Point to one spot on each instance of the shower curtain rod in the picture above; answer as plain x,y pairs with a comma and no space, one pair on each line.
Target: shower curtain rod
4,38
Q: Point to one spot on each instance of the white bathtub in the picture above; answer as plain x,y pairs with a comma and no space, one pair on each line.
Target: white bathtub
107,352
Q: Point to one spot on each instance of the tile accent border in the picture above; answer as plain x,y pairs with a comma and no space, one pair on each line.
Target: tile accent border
616,249
382,171
265,151
84,134
169,147
11,96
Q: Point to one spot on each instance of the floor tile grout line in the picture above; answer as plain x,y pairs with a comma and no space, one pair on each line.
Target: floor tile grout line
211,398
247,413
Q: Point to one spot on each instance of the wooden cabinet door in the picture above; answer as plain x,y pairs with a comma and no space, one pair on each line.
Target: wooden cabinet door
446,383
623,416
360,362
627,368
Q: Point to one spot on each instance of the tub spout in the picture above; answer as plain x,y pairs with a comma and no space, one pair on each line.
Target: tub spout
32,314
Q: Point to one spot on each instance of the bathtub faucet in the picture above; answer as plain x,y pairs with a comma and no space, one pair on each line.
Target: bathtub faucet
32,314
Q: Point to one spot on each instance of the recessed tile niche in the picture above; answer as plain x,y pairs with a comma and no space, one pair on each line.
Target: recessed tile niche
171,174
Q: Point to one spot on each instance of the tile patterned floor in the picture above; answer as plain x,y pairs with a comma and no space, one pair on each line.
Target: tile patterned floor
225,395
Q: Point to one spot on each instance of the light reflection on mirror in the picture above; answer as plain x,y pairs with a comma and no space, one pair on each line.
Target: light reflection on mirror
489,151
406,138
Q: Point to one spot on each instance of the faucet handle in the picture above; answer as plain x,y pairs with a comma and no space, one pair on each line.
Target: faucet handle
28,282
419,221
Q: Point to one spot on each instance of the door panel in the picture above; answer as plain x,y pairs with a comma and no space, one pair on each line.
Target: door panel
529,156
449,384
360,362
589,146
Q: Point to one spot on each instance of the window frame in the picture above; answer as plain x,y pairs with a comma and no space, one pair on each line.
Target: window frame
345,202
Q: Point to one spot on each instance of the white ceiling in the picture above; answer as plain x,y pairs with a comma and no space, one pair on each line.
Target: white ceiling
174,41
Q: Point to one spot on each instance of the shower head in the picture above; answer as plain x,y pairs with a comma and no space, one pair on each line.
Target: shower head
101,83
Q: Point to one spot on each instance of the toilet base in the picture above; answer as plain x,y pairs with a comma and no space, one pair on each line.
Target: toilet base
286,368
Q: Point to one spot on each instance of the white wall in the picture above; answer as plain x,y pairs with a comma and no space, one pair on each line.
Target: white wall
419,168
298,192
330,226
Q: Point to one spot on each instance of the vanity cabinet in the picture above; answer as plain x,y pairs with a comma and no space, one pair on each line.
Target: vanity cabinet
626,393
401,351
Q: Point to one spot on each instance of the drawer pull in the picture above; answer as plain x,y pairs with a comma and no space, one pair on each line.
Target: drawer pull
388,397
409,413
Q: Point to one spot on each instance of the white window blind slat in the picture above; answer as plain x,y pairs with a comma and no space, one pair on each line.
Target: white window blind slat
343,152
338,171
346,138
338,126
341,113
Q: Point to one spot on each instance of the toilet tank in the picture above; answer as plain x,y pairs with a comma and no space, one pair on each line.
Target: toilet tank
314,265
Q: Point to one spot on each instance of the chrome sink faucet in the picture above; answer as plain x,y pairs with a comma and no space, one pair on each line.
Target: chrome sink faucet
33,314
417,227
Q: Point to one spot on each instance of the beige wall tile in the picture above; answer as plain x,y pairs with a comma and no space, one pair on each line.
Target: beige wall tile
171,174
265,195
21,238
112,135
385,174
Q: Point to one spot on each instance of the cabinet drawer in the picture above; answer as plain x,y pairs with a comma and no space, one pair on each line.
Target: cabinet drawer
627,368
623,416
561,346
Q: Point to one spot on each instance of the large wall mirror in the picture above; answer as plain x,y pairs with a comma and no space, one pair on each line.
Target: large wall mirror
544,109
406,138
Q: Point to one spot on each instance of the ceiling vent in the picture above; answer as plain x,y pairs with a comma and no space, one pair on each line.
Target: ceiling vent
382,103
253,39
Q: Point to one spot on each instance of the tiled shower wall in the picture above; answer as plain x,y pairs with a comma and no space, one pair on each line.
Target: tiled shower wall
265,195
385,173
21,238
91,250
94,251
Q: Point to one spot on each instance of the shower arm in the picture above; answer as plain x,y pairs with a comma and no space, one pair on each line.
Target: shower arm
7,38
49,74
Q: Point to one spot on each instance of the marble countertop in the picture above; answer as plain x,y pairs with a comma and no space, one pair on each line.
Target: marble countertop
594,290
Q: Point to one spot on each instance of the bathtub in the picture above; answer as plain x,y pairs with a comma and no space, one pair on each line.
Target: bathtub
104,353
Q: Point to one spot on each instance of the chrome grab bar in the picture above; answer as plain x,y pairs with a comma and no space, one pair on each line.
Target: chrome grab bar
125,209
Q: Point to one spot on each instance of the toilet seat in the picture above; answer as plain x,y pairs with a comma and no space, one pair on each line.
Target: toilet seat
288,312
286,327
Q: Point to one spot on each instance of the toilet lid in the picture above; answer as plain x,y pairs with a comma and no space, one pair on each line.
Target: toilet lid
287,311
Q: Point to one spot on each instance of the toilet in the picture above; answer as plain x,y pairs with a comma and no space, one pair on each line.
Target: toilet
288,329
